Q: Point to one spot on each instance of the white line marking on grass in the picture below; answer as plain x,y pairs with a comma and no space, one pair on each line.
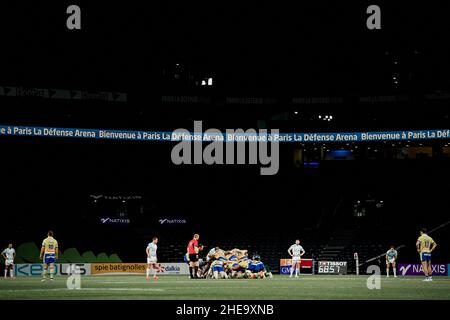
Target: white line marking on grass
249,288
117,282
124,289
212,282
85,289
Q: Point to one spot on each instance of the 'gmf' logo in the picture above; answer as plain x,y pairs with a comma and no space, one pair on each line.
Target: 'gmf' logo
285,269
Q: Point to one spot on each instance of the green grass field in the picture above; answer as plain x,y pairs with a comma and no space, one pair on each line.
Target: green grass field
180,287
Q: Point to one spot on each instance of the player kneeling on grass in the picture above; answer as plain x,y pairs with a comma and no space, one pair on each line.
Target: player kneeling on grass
391,258
218,269
9,254
49,254
152,258
232,268
256,269
243,266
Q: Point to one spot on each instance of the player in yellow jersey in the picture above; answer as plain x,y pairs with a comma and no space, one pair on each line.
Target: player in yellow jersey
218,270
425,245
49,254
243,265
240,254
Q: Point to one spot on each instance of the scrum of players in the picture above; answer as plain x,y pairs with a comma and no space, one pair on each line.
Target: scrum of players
231,264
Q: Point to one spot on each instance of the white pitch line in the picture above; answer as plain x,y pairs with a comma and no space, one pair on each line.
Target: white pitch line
85,289
214,281
116,282
234,281
124,289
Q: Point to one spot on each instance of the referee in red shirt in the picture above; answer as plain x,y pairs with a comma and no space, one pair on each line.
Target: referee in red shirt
192,251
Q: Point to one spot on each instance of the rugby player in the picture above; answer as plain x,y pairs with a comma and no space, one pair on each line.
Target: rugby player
391,259
9,254
230,255
152,258
256,268
425,245
217,267
232,267
49,254
211,254
240,254
296,251
220,255
210,257
243,266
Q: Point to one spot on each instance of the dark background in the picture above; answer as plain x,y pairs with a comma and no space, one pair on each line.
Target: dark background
253,49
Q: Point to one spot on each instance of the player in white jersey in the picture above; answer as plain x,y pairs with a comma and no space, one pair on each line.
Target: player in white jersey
296,251
9,254
391,259
152,258
212,253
